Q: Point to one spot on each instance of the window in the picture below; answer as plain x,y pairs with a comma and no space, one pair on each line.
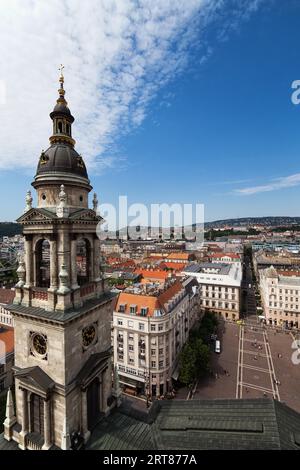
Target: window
160,351
153,352
132,309
120,357
120,322
161,364
122,308
130,347
153,327
160,327
141,326
130,337
131,360
130,324
144,311
153,363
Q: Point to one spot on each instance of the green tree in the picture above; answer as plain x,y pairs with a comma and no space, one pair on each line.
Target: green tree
187,364
194,360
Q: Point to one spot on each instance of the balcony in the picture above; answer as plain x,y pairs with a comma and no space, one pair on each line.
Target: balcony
40,293
87,289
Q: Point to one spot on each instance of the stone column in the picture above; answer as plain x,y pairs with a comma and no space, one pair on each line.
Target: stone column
47,425
29,410
84,418
74,284
53,265
96,259
24,431
28,261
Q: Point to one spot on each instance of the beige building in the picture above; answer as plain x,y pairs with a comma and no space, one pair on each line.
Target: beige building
150,327
62,316
220,287
6,297
280,294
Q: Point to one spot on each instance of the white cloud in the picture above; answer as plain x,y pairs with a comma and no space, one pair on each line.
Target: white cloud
117,55
274,185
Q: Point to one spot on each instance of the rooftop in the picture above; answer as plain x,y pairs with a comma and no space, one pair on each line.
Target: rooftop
154,298
6,296
6,338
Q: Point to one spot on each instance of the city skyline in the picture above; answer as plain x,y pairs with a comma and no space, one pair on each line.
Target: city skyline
217,126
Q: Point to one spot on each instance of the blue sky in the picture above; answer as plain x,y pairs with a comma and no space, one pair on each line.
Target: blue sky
221,131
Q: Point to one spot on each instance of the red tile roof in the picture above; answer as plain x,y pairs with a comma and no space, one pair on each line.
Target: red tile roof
180,256
6,296
152,274
7,336
175,266
152,302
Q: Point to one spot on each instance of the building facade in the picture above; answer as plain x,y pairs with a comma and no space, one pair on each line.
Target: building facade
6,297
150,327
6,358
220,287
280,294
62,315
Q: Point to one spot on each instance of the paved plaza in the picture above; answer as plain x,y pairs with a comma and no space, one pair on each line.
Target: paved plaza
255,362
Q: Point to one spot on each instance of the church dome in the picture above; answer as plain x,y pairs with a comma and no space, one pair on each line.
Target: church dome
60,108
61,157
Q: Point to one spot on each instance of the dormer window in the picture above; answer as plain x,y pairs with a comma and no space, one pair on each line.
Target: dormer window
144,311
122,308
132,309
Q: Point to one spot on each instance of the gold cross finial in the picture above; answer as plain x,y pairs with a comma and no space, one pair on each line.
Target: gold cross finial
61,70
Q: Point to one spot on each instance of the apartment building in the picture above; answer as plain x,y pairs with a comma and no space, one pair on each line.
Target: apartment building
283,260
280,294
6,297
225,257
220,287
151,323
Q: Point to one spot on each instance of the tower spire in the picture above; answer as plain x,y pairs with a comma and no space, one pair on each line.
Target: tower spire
61,116
61,90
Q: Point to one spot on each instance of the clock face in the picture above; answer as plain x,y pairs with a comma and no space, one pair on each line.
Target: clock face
39,344
88,335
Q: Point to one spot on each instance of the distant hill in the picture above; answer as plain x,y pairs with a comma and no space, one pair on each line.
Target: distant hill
245,221
9,229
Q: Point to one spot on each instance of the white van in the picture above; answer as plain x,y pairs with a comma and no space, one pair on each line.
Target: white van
218,346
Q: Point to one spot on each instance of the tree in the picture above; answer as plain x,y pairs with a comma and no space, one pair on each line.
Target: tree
194,360
187,364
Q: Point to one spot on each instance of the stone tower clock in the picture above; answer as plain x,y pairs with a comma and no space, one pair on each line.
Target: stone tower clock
62,310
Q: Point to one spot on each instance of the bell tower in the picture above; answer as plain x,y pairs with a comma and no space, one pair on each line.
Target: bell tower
62,308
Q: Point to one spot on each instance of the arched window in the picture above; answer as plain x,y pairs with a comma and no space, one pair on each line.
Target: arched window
68,129
83,261
42,263
59,125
